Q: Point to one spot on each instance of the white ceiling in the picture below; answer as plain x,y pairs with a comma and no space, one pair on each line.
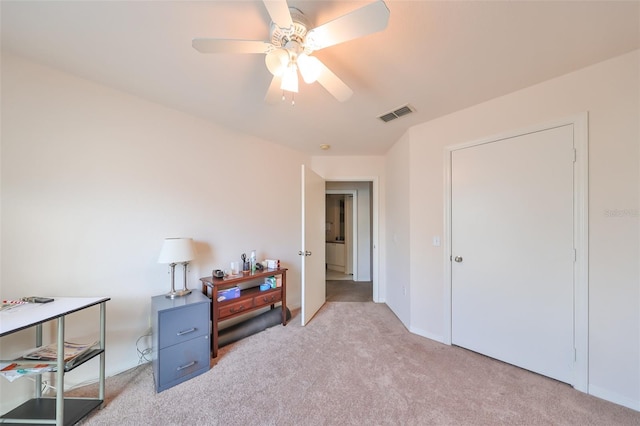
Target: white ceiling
437,56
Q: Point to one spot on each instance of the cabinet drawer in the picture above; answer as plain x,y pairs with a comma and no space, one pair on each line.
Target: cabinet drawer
235,307
268,298
185,323
181,362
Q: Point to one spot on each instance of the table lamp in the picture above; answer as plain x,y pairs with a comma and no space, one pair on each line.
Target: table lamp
174,251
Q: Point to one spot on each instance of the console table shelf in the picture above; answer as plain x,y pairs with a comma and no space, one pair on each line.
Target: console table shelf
250,299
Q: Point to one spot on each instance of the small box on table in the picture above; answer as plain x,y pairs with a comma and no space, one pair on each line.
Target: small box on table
228,293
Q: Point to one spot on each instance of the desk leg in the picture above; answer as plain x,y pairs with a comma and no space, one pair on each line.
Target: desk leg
60,374
103,321
38,376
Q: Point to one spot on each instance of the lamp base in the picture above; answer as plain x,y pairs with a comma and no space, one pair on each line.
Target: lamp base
177,293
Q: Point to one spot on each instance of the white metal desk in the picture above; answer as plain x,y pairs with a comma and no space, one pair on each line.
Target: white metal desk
61,410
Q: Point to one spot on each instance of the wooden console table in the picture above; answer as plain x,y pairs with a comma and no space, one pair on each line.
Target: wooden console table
249,300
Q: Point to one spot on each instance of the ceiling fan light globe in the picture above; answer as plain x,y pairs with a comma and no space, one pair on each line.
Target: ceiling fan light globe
276,61
290,79
310,68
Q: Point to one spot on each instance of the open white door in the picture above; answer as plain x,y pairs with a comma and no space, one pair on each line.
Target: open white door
312,251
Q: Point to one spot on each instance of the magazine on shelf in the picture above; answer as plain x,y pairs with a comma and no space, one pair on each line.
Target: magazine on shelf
44,359
16,369
50,352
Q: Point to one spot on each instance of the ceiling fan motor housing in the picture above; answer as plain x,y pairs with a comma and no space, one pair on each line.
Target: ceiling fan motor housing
293,38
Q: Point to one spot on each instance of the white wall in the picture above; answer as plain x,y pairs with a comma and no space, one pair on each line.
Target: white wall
366,168
610,93
398,203
94,179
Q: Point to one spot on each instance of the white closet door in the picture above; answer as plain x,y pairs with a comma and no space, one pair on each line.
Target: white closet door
513,253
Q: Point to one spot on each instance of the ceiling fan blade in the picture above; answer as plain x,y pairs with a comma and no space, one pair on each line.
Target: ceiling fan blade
274,93
333,84
214,45
361,22
279,12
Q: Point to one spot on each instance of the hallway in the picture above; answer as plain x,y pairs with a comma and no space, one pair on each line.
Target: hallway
337,276
349,291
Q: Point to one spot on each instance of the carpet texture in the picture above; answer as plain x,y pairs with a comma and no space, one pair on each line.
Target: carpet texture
349,291
353,364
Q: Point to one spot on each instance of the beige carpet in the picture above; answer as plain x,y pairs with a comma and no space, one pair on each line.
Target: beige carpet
349,291
353,364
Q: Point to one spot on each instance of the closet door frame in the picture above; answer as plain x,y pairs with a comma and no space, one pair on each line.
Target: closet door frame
581,236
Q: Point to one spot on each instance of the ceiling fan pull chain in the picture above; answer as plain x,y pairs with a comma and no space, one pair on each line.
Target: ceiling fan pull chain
284,97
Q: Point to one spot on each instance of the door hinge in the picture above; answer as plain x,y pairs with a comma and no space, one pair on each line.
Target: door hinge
575,255
575,155
575,355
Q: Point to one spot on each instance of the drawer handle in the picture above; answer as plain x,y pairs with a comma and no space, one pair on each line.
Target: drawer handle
269,299
233,310
192,363
182,333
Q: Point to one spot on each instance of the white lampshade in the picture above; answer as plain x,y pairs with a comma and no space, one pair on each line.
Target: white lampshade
290,79
177,250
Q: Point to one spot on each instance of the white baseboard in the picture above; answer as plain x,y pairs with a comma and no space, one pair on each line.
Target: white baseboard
614,397
428,335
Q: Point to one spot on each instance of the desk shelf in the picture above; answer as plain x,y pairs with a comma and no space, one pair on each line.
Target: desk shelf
82,358
38,409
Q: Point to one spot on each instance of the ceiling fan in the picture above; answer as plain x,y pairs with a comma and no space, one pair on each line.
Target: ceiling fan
292,42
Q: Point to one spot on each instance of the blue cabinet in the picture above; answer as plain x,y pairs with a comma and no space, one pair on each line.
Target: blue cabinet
181,345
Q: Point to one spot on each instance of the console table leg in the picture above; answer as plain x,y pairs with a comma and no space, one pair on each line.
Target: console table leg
214,328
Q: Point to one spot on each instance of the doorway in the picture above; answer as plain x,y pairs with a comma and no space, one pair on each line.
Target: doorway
349,247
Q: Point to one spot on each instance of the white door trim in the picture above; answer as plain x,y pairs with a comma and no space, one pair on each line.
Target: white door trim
581,237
